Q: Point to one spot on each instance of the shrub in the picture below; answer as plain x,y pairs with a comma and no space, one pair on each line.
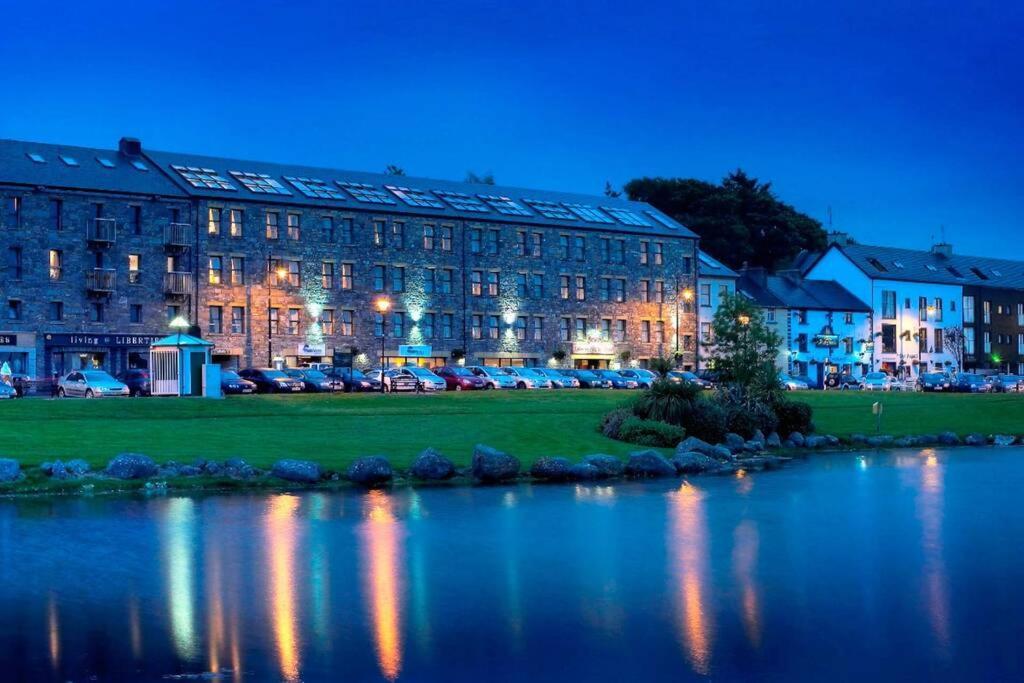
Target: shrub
793,416
707,420
741,421
613,420
660,365
667,401
650,433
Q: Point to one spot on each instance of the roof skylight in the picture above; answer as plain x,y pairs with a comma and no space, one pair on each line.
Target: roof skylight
260,183
551,210
315,188
955,272
504,205
204,178
627,217
996,273
661,219
414,197
368,194
104,162
878,265
461,201
70,161
139,165
931,267
35,157
588,213
977,271
898,264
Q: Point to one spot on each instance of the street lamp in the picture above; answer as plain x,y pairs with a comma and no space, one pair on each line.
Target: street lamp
744,319
179,323
280,273
382,304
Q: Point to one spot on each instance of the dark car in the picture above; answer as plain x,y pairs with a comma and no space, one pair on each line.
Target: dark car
232,383
271,381
969,383
644,378
617,380
458,378
685,376
315,381
841,381
1008,383
934,381
353,379
589,379
712,377
137,381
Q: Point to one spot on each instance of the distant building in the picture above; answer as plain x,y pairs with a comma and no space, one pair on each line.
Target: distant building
715,282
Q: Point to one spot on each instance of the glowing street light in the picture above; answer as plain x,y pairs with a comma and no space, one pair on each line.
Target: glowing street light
382,304
744,319
179,323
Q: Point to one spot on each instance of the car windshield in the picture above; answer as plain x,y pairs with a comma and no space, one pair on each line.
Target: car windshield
229,374
420,372
274,374
587,374
491,370
315,374
355,374
875,375
973,379
933,376
97,376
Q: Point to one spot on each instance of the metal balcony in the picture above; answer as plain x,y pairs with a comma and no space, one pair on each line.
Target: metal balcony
100,280
176,236
101,231
177,284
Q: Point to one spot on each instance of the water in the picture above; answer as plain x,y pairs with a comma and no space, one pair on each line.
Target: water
895,566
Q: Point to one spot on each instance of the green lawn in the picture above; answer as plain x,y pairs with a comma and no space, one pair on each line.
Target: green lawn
334,429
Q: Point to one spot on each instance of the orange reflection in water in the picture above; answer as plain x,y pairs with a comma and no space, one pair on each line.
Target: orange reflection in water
215,609
381,551
281,531
53,630
744,562
135,627
929,509
688,546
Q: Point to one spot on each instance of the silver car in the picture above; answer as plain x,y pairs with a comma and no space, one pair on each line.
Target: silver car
493,377
528,378
7,391
90,384
427,379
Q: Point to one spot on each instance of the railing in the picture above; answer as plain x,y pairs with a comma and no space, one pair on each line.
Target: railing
178,283
100,279
176,234
101,230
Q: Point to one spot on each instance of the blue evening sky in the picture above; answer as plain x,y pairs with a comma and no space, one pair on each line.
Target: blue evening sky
901,116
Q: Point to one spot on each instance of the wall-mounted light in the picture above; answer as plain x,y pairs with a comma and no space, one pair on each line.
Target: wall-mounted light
509,317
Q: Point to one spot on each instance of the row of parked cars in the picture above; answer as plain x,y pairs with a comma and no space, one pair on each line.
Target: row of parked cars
963,382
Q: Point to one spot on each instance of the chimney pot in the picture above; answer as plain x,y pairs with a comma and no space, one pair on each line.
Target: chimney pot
130,147
943,249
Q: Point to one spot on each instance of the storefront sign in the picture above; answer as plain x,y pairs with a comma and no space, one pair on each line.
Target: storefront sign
8,340
593,348
307,349
825,341
101,340
415,350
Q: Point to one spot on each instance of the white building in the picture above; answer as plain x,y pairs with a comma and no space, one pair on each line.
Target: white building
715,281
824,327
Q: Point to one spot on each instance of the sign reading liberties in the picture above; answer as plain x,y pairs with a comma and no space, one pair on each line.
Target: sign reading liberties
593,348
101,339
415,350
307,349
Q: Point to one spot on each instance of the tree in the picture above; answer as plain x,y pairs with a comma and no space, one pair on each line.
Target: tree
739,220
392,169
953,340
485,179
744,346
610,191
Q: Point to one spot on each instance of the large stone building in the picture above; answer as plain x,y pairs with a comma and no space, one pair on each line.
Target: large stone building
288,263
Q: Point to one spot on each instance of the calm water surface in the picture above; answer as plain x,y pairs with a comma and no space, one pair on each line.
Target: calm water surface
892,566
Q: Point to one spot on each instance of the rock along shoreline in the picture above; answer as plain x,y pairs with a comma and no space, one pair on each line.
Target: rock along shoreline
137,472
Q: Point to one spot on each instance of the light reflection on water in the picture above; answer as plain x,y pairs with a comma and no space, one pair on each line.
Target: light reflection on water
861,564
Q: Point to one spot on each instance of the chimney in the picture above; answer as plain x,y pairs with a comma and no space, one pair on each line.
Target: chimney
840,239
130,147
944,249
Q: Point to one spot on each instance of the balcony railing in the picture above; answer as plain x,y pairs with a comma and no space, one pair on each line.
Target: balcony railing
100,280
177,235
102,230
177,284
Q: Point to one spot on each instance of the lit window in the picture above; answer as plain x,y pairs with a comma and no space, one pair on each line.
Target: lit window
588,213
461,201
551,210
627,217
204,178
504,205
414,197
315,188
368,194
259,183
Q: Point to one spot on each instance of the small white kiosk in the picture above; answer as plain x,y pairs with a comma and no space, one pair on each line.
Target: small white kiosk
180,365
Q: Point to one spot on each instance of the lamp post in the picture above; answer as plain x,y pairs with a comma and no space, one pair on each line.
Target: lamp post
280,273
179,323
382,304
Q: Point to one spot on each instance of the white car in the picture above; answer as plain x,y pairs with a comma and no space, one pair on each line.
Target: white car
528,378
427,379
493,377
90,384
876,381
792,383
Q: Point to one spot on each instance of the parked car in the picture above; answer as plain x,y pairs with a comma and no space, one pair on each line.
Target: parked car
685,376
233,383
712,377
970,383
525,379
540,380
353,379
644,378
1006,384
837,380
790,383
559,380
429,381
459,378
394,379
271,381
7,391
876,381
617,380
90,384
589,379
315,381
137,381
493,377
322,367
934,381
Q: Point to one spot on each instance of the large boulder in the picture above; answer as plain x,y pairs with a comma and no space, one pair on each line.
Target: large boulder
975,439
753,446
54,470
773,440
832,441
76,467
430,465
759,437
372,470
734,442
607,465
10,469
300,471
236,468
948,439
720,452
797,438
491,465
551,469
131,466
880,441
858,438
584,471
692,443
694,463
1003,440
813,441
648,464
905,442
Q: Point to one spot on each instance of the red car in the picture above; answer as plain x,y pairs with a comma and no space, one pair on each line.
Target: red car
458,378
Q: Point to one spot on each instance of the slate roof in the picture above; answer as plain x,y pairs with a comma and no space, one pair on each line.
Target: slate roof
711,267
912,265
17,168
790,291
